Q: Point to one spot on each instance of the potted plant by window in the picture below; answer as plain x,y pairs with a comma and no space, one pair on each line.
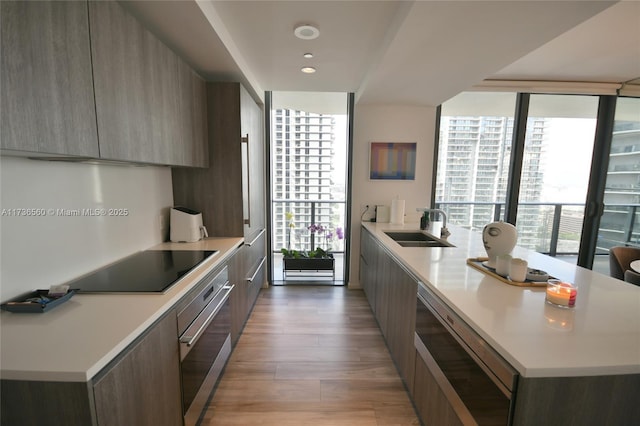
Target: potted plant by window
319,259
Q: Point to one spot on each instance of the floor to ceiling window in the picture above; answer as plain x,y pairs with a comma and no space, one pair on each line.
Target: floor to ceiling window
555,172
308,182
473,157
620,221
552,156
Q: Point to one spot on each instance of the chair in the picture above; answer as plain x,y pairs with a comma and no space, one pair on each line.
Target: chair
632,277
619,259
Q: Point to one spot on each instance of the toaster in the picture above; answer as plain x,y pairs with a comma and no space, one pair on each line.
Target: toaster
185,225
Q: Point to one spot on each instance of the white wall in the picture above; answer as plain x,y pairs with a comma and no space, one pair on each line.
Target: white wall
389,123
38,251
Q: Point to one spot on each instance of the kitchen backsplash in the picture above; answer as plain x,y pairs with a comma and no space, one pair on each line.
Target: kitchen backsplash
61,220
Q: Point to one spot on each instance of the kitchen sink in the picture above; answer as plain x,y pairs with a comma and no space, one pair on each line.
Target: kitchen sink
417,239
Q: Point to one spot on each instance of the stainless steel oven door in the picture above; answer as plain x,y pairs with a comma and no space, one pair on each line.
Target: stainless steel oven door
204,349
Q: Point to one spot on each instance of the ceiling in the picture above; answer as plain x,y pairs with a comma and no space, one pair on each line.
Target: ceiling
399,52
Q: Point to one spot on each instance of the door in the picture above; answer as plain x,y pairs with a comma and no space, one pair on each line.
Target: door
308,182
619,224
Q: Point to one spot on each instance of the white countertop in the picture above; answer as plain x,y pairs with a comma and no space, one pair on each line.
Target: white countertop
75,340
600,336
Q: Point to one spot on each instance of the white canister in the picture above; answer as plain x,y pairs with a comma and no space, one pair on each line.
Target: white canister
518,270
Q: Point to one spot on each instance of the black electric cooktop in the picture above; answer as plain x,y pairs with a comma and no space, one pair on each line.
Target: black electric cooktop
150,271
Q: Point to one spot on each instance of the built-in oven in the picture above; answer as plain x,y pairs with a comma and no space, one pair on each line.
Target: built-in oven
477,382
204,326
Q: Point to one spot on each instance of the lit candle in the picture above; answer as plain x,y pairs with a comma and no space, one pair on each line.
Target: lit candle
561,293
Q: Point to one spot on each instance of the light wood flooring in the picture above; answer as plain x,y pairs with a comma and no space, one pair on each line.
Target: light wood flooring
310,355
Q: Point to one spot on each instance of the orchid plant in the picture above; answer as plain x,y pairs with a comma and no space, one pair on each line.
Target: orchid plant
325,233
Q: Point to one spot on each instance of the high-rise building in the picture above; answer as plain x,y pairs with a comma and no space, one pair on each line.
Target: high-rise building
622,190
302,153
473,170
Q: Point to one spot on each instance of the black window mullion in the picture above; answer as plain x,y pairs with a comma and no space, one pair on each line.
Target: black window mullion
517,155
436,148
594,206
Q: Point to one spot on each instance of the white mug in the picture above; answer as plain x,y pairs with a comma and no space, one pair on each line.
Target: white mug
518,270
503,264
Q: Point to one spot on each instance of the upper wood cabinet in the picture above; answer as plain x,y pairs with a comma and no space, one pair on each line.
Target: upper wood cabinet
231,193
87,79
47,89
150,106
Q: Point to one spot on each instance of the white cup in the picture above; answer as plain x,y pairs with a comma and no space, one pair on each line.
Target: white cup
518,270
503,264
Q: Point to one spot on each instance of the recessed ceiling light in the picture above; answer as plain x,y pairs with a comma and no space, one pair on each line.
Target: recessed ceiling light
308,55
308,70
306,32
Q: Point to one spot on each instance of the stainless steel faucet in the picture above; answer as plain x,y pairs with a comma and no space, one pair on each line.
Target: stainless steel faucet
444,232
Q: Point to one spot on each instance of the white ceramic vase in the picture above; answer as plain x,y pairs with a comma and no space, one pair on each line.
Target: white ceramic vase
498,238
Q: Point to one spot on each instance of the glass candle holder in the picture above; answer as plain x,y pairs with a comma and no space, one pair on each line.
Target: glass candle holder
561,293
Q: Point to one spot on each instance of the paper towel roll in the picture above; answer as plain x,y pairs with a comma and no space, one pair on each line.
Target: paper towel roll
397,211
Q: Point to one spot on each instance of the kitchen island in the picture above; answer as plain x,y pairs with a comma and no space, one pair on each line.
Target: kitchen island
574,356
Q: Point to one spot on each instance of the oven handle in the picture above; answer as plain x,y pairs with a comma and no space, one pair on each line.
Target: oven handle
191,340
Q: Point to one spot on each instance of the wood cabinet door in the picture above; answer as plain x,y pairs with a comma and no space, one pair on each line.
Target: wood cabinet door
231,192
258,276
238,298
198,146
45,73
135,78
252,128
401,321
368,262
383,283
142,387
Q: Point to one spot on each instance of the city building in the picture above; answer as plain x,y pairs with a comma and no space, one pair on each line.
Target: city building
303,148
619,223
473,171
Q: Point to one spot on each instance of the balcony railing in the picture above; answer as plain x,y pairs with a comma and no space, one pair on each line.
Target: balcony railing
551,228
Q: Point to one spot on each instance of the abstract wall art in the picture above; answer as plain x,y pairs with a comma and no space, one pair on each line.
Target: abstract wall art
392,161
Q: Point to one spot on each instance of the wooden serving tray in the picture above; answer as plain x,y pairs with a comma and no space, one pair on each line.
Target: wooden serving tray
476,262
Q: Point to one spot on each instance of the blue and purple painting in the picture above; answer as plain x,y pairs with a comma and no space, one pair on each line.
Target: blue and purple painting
393,161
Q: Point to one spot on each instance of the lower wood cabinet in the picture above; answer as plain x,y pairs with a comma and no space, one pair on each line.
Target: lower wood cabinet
391,291
31,403
237,274
247,271
401,320
142,387
368,261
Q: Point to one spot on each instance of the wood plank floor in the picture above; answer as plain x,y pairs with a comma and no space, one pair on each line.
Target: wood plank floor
310,355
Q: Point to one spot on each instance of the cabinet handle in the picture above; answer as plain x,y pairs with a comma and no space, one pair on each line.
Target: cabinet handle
245,170
256,238
253,277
